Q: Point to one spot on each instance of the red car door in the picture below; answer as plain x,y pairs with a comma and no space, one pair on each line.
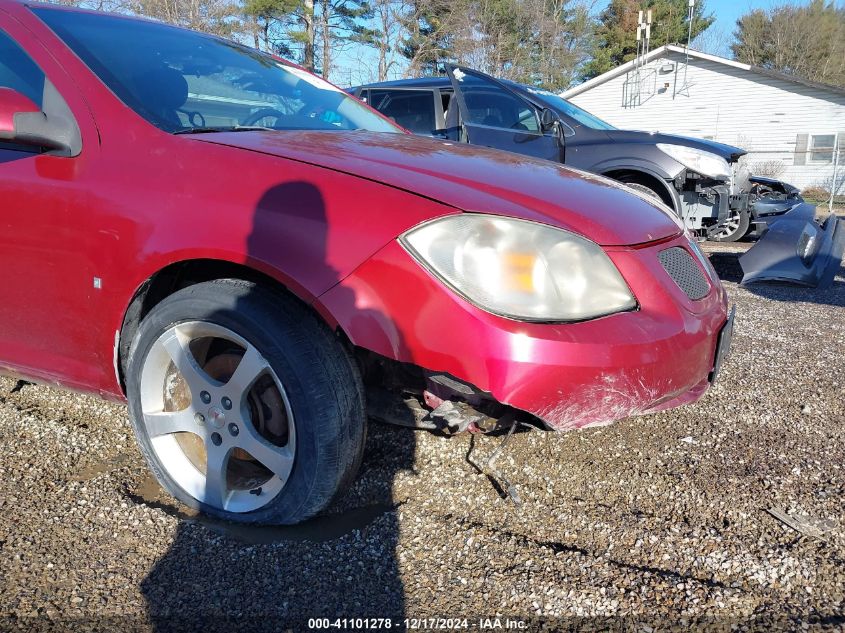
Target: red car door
48,288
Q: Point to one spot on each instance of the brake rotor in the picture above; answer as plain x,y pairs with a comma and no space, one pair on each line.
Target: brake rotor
266,411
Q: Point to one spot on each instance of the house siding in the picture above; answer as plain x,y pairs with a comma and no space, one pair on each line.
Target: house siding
769,117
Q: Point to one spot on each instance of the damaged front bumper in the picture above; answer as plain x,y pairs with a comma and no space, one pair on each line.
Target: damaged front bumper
711,206
568,375
797,249
769,201
791,245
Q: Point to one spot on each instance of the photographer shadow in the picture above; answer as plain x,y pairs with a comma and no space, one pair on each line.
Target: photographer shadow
220,576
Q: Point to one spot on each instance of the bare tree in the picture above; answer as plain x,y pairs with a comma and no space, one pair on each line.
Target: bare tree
341,23
804,40
430,28
212,16
308,33
390,21
559,43
540,42
768,168
115,6
260,18
714,41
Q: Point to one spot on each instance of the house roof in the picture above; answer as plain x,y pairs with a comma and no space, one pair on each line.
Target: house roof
674,48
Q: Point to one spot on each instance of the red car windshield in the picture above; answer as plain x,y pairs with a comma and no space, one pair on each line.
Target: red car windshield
183,81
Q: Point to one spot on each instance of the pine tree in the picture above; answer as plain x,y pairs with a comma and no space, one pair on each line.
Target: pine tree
807,41
615,37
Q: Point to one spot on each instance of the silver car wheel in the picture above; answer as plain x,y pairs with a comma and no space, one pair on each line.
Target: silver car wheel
217,417
728,227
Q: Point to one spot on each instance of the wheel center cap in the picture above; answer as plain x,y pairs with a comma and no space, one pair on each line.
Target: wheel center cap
216,417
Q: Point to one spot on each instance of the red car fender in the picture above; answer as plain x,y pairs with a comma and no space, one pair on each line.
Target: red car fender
568,374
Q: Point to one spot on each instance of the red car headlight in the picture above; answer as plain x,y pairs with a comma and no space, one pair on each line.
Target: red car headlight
520,269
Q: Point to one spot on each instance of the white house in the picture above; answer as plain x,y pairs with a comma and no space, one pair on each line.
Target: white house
789,126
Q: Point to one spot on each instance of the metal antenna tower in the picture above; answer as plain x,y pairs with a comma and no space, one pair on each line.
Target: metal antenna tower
684,89
640,28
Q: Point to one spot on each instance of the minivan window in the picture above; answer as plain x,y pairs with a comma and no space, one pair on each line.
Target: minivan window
412,109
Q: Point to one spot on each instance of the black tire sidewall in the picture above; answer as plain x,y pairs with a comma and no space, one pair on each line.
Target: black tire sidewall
290,342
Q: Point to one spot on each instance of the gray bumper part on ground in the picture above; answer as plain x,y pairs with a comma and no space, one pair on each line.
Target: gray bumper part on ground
766,213
797,249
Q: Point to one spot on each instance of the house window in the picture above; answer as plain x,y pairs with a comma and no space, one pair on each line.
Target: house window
821,148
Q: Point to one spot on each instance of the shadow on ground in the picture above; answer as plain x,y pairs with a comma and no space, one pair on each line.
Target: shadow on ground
217,575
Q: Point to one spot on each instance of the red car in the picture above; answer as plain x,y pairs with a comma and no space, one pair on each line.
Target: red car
241,251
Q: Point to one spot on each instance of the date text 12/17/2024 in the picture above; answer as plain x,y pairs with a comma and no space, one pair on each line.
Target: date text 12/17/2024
419,624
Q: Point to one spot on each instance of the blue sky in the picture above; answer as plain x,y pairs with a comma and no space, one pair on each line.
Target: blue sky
727,12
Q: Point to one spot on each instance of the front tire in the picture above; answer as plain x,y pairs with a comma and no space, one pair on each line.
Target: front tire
244,403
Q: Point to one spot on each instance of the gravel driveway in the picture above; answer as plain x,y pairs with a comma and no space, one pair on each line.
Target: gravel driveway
659,519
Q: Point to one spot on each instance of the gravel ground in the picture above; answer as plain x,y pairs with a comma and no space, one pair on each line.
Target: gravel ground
659,519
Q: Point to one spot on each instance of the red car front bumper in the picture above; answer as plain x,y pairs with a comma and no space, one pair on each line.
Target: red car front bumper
568,375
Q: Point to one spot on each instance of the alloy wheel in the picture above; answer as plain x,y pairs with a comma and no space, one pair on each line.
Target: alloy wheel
728,228
217,417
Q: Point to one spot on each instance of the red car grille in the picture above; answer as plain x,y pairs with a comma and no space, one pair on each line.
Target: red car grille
687,274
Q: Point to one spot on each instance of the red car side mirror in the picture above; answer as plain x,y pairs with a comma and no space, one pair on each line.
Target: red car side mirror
12,103
24,123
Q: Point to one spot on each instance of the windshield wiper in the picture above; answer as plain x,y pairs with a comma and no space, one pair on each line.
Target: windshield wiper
199,130
232,128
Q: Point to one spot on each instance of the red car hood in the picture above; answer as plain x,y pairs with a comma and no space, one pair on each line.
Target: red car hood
471,179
